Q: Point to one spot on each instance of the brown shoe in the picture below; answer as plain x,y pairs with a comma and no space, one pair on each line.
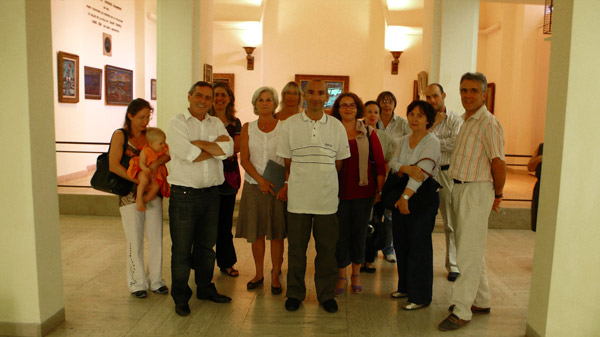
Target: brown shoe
474,309
452,322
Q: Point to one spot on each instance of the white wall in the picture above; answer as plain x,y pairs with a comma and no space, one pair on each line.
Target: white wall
335,37
72,32
515,57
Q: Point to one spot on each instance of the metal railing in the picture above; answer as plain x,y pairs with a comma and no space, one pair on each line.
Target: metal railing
71,151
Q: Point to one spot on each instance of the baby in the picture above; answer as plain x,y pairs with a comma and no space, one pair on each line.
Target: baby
139,167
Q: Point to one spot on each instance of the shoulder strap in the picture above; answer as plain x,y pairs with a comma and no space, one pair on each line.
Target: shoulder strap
125,140
434,165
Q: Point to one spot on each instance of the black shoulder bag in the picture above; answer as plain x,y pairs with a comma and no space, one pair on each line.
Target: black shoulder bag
106,181
394,187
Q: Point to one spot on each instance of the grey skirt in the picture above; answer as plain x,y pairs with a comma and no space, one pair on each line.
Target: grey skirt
260,215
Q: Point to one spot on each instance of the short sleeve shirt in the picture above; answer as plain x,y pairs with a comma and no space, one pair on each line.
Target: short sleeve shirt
313,147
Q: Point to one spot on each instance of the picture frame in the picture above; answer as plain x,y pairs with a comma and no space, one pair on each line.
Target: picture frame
490,99
208,73
336,85
228,78
118,85
153,89
92,79
68,77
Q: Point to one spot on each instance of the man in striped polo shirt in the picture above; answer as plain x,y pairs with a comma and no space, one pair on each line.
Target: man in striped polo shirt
445,127
478,170
313,146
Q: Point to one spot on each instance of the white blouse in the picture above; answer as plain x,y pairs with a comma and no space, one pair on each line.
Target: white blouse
262,147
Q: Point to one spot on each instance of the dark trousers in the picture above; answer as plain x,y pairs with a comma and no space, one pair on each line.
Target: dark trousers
194,215
414,252
353,218
325,232
225,250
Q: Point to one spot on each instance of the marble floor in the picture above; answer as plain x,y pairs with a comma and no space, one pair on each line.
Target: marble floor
97,301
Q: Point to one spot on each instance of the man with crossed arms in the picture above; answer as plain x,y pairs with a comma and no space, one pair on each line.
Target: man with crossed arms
478,170
446,126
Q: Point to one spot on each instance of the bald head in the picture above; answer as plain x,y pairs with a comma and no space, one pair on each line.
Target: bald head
435,95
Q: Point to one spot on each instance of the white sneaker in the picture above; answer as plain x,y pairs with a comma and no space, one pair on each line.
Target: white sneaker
390,258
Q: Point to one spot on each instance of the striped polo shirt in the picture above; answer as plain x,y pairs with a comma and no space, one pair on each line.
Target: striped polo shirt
313,147
479,140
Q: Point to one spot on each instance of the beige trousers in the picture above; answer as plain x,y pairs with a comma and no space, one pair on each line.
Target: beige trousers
471,206
446,212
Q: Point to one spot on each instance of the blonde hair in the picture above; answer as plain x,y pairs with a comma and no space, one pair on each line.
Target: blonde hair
289,86
155,134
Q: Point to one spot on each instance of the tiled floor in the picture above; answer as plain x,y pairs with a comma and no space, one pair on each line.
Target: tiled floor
97,301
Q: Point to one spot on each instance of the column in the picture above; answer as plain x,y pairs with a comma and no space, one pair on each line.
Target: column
31,285
184,43
565,297
450,34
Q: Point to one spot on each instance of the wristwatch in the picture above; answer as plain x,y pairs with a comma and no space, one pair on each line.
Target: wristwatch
405,196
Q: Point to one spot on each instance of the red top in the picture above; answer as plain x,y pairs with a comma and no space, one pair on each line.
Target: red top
349,175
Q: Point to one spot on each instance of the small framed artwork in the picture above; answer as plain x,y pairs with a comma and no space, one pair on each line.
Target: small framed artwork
118,85
225,78
68,77
490,100
153,89
93,82
106,44
208,73
336,85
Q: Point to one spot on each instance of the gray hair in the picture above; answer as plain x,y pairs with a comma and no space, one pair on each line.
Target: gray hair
477,77
259,91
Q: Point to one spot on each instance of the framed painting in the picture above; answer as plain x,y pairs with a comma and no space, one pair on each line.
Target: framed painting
208,73
225,78
68,77
118,85
93,82
336,85
153,89
490,100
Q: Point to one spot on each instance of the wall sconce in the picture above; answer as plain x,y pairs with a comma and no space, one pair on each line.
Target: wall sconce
395,61
249,57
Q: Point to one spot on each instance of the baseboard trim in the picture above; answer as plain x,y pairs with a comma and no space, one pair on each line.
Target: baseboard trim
530,332
33,329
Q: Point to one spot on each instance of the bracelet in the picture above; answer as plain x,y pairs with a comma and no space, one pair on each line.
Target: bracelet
498,196
285,182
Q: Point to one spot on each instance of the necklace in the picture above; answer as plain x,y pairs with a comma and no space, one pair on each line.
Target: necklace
264,125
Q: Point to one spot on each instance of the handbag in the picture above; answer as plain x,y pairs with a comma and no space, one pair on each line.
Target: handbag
394,187
106,181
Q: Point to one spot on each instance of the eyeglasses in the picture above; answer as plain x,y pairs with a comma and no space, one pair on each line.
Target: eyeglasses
347,106
387,101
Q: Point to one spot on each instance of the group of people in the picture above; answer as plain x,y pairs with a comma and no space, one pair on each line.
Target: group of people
306,170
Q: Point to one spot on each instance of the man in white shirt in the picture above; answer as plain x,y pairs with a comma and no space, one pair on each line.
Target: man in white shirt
446,126
198,143
313,146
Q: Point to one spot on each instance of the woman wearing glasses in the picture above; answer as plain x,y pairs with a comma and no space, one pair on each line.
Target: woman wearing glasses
361,179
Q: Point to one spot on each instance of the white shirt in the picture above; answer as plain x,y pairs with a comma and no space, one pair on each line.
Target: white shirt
396,128
428,147
183,171
446,132
262,147
314,147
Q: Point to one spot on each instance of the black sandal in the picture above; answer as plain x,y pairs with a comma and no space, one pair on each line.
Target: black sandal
230,272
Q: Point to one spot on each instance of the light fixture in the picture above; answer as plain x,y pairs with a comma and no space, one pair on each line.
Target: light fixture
395,61
249,57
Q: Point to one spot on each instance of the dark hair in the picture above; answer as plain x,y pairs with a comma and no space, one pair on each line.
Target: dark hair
360,108
384,95
230,109
199,84
427,109
478,77
133,108
439,86
371,103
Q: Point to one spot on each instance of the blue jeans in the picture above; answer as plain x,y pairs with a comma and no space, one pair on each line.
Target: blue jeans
194,216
